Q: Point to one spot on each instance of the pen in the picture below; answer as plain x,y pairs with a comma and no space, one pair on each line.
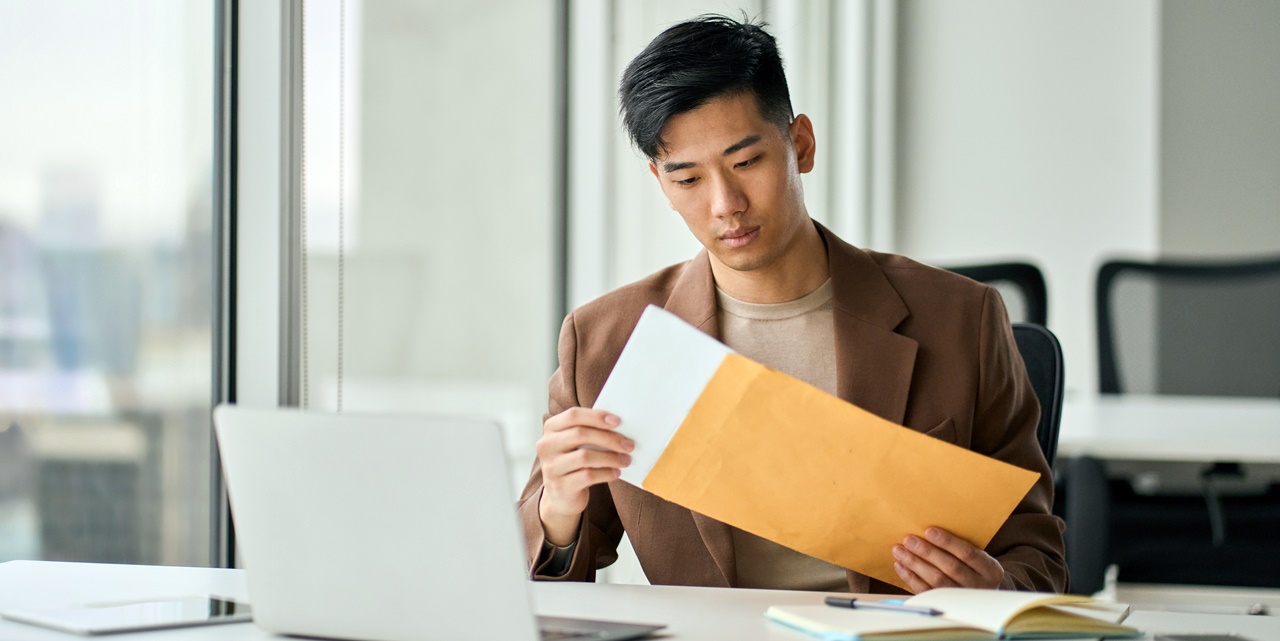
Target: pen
855,604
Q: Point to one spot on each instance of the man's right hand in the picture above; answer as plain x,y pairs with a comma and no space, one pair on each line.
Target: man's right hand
569,469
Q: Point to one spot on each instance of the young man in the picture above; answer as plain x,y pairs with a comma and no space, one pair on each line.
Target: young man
707,103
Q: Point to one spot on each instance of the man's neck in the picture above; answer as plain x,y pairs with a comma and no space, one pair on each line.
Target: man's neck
800,271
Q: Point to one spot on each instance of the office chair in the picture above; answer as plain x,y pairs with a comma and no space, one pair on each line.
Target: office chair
1210,326
1191,328
1021,285
1042,355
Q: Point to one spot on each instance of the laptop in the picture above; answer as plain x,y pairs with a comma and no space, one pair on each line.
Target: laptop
381,528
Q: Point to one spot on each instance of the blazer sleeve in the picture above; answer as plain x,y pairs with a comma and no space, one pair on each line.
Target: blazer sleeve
1029,545
600,530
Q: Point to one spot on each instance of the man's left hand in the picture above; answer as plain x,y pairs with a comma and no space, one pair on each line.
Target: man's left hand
941,559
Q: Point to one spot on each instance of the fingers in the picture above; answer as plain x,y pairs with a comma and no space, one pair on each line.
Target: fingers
924,569
945,560
913,580
572,438
970,555
581,416
586,477
579,448
584,459
579,427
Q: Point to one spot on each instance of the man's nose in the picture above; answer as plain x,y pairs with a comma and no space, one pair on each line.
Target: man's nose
728,199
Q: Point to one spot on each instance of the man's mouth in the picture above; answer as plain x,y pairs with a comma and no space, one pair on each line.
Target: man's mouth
740,236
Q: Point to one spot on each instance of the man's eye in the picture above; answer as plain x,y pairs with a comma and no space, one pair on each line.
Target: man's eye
687,181
748,162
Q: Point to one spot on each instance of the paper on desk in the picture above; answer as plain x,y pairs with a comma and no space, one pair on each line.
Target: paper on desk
662,370
781,459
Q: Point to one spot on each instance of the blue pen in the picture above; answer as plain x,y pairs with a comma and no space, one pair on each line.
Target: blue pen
892,606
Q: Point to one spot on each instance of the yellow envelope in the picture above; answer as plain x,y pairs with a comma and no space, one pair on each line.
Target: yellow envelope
777,457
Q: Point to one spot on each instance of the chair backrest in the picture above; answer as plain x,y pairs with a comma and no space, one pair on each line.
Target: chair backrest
1042,355
1189,327
1020,284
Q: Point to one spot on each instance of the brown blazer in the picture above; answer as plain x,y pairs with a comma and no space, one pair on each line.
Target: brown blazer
916,345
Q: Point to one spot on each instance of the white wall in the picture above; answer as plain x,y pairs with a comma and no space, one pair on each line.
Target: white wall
1028,130
1219,129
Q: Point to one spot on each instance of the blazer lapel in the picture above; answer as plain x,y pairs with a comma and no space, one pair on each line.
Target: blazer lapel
693,298
873,363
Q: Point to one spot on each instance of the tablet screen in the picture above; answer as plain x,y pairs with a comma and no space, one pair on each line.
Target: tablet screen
130,617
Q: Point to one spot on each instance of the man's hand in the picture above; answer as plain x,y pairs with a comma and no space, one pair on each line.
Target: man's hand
570,467
944,560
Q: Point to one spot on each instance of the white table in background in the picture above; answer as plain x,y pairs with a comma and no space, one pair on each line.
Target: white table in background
1171,428
706,614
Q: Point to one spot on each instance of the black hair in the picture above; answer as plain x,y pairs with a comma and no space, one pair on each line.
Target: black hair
694,62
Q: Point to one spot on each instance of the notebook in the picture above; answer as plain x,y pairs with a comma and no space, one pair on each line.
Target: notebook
966,614
382,528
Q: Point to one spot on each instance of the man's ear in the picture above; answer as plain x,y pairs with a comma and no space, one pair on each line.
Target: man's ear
653,169
803,141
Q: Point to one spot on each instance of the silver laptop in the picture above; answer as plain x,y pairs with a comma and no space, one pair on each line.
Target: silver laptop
382,528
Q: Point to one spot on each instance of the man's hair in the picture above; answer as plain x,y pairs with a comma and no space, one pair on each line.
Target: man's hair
694,62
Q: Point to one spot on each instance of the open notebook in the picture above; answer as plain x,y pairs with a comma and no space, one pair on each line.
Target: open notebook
966,614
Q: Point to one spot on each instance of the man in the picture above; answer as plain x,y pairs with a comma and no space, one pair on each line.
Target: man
707,104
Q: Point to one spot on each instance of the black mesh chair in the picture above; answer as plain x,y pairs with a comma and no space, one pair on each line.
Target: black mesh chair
1020,284
1042,355
1213,328
1194,328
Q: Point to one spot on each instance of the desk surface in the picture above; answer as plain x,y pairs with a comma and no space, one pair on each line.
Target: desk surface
707,614
1172,428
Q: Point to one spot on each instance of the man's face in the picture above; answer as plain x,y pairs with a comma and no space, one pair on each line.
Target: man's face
735,179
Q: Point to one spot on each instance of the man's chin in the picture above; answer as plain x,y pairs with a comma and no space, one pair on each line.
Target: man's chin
741,260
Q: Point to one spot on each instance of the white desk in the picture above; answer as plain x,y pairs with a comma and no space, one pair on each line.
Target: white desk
706,614
1161,444
1172,428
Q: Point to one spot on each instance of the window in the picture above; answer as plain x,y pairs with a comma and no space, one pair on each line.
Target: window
106,272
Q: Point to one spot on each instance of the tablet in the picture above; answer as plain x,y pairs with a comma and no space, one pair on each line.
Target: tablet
133,617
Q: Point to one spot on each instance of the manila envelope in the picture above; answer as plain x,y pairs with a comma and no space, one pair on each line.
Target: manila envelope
777,457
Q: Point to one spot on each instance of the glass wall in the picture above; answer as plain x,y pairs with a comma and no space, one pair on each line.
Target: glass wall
105,280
